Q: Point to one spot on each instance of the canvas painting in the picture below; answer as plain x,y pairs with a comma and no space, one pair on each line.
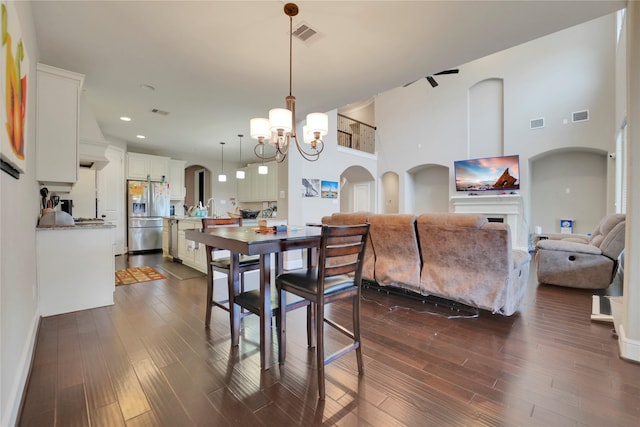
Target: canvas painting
329,189
13,109
310,187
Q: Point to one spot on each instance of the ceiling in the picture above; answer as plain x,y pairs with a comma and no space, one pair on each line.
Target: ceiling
216,64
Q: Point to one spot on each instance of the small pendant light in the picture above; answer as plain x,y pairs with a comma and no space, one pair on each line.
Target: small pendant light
240,173
222,177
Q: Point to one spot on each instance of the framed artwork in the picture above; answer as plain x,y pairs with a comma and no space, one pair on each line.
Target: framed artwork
329,189
310,187
14,63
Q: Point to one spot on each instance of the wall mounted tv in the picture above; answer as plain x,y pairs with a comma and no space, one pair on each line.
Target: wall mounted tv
488,174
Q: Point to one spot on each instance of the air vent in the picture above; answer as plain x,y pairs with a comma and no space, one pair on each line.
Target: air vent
536,123
161,112
304,32
580,116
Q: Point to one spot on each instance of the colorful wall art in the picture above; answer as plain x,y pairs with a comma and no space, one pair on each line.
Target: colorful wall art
329,189
14,63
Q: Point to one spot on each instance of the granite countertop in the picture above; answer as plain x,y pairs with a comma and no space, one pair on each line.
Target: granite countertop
73,227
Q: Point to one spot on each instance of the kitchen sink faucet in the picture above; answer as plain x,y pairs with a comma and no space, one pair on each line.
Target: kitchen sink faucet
211,207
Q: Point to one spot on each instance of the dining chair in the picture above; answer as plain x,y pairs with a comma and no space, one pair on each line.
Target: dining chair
337,276
223,265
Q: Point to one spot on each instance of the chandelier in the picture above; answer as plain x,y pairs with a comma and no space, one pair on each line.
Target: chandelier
279,129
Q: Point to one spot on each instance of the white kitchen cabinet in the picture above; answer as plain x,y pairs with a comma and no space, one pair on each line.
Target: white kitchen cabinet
75,267
166,230
191,253
143,166
57,125
176,179
256,187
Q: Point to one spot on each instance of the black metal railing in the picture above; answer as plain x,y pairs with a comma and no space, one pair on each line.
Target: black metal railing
355,134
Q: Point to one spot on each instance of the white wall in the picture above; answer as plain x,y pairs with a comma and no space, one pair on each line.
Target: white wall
332,162
550,77
19,210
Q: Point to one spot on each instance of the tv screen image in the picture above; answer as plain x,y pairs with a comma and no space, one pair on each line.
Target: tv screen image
488,174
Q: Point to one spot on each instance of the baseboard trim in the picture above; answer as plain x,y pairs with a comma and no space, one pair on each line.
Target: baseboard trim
19,387
629,348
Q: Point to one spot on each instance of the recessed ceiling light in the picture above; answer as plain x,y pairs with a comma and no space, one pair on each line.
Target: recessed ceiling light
147,87
140,136
125,119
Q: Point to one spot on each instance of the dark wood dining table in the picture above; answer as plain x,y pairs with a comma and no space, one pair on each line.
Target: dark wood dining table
252,241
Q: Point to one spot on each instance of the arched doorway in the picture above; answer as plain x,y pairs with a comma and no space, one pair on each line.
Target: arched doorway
357,191
197,180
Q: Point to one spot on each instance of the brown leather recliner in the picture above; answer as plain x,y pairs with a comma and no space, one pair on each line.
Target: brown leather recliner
587,262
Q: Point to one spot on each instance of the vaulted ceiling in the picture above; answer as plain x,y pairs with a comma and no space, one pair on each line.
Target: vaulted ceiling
216,64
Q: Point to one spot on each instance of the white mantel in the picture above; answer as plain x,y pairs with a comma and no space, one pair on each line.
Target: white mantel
506,206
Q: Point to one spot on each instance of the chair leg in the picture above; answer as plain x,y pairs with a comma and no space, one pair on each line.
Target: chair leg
356,332
207,319
281,324
320,348
311,326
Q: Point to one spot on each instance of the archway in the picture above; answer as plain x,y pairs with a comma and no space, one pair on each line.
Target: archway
429,188
197,180
357,190
568,184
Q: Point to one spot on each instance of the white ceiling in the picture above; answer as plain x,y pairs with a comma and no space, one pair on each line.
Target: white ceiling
216,64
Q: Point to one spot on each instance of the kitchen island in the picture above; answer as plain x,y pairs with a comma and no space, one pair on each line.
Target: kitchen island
178,248
75,267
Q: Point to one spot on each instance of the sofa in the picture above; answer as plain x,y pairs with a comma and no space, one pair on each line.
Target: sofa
459,257
582,261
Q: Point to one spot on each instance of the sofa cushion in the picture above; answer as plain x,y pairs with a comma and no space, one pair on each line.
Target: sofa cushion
397,260
468,259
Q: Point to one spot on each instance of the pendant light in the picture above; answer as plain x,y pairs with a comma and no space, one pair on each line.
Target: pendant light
222,177
262,169
240,173
280,128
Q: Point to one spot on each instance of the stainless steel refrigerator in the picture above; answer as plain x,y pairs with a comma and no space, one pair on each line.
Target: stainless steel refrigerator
147,203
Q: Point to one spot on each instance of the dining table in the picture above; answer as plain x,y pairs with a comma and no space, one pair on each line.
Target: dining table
269,245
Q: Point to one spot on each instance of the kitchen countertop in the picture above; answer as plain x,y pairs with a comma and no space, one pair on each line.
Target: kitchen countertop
74,227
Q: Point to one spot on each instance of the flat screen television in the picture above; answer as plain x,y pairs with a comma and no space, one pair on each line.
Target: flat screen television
488,174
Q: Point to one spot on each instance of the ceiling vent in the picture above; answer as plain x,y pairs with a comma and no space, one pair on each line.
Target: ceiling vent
304,32
161,112
536,123
580,116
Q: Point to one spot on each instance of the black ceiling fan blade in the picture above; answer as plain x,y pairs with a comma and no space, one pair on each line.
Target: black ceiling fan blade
432,81
452,71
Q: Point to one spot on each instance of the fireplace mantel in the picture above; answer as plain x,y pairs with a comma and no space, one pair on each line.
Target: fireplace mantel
506,206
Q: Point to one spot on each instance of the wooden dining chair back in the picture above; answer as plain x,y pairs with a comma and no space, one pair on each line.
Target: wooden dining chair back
223,265
330,281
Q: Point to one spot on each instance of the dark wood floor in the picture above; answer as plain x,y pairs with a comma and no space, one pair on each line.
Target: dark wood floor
148,360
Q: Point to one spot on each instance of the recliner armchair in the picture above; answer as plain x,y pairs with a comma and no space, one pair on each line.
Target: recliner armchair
583,262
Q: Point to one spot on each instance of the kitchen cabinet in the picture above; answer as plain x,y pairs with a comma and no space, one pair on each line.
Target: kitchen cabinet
57,125
256,187
176,179
75,267
191,253
166,230
143,166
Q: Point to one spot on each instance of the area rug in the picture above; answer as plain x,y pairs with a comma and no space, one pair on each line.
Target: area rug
179,271
137,274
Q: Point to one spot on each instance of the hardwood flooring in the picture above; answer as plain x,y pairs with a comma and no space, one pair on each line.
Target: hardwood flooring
149,361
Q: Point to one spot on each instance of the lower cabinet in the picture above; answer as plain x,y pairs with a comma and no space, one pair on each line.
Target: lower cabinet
191,253
75,267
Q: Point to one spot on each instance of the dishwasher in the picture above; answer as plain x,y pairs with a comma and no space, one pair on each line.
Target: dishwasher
173,239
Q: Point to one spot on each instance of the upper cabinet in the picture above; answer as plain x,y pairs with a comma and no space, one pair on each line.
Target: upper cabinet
145,166
57,129
259,188
176,179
